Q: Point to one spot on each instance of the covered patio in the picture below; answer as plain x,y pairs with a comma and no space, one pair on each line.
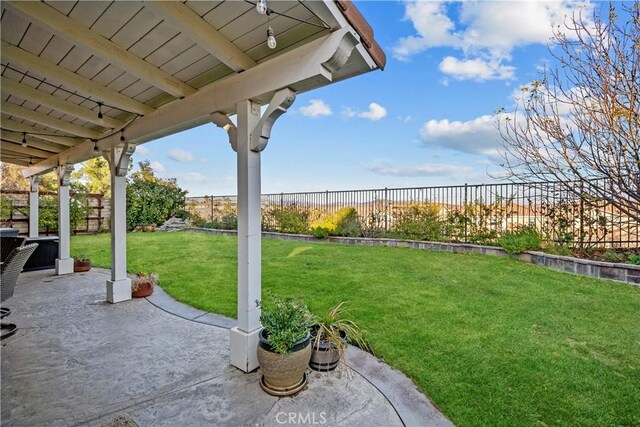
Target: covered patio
88,79
81,361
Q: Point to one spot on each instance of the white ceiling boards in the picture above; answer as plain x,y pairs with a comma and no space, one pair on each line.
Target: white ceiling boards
76,73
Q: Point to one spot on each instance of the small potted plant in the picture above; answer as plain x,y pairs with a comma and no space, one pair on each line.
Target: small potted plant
142,284
81,264
284,346
330,337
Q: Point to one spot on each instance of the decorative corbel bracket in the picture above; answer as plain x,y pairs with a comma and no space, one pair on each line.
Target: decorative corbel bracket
119,156
280,103
34,182
64,174
223,121
348,42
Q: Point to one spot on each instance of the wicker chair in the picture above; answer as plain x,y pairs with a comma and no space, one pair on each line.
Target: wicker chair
11,269
8,244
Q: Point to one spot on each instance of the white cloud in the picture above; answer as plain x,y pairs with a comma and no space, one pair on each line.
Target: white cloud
191,177
157,167
426,169
349,113
477,136
485,30
374,113
142,150
476,69
316,108
181,156
433,27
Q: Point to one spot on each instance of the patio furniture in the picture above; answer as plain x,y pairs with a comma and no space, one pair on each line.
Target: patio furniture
11,269
9,232
45,255
8,244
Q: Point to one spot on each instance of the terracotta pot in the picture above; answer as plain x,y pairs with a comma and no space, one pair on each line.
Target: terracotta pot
283,374
144,290
80,266
325,356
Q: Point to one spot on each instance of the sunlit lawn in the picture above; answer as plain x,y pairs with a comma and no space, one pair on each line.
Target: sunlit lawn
492,341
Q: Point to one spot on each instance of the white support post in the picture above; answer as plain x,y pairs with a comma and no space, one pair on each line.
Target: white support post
119,287
64,263
34,205
244,337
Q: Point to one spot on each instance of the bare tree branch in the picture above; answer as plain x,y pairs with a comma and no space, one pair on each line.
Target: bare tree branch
581,120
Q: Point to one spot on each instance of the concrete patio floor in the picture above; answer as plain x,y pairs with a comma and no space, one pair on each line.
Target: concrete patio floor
77,360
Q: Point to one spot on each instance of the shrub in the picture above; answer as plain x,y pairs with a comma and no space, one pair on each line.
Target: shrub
523,239
342,223
558,249
320,232
184,214
455,225
228,221
214,224
286,321
152,200
290,219
417,222
483,220
613,256
634,259
48,211
197,221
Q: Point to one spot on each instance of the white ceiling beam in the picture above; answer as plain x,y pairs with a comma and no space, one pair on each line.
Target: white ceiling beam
9,158
24,91
21,127
201,32
28,151
32,141
307,67
78,34
72,80
43,119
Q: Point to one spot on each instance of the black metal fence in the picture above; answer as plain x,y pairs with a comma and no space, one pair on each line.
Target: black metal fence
467,213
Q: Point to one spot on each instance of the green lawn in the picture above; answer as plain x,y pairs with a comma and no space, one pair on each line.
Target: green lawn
492,341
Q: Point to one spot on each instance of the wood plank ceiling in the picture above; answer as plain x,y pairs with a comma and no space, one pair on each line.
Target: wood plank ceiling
64,62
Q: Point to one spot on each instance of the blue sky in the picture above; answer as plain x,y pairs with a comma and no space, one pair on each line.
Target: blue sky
427,119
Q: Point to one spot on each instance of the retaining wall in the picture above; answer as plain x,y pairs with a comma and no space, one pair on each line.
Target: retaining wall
620,272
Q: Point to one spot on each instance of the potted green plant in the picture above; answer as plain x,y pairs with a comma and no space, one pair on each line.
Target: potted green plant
330,337
284,346
142,284
81,264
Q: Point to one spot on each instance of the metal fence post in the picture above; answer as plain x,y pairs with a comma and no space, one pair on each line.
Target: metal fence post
386,210
581,207
326,201
466,202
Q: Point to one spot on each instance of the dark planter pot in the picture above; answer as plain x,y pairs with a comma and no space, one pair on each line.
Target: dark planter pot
80,266
325,356
144,290
283,374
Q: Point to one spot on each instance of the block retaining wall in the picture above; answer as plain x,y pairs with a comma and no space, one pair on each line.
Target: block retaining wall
620,272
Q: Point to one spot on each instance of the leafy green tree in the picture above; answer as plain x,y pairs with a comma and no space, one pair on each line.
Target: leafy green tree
152,200
93,176
11,178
